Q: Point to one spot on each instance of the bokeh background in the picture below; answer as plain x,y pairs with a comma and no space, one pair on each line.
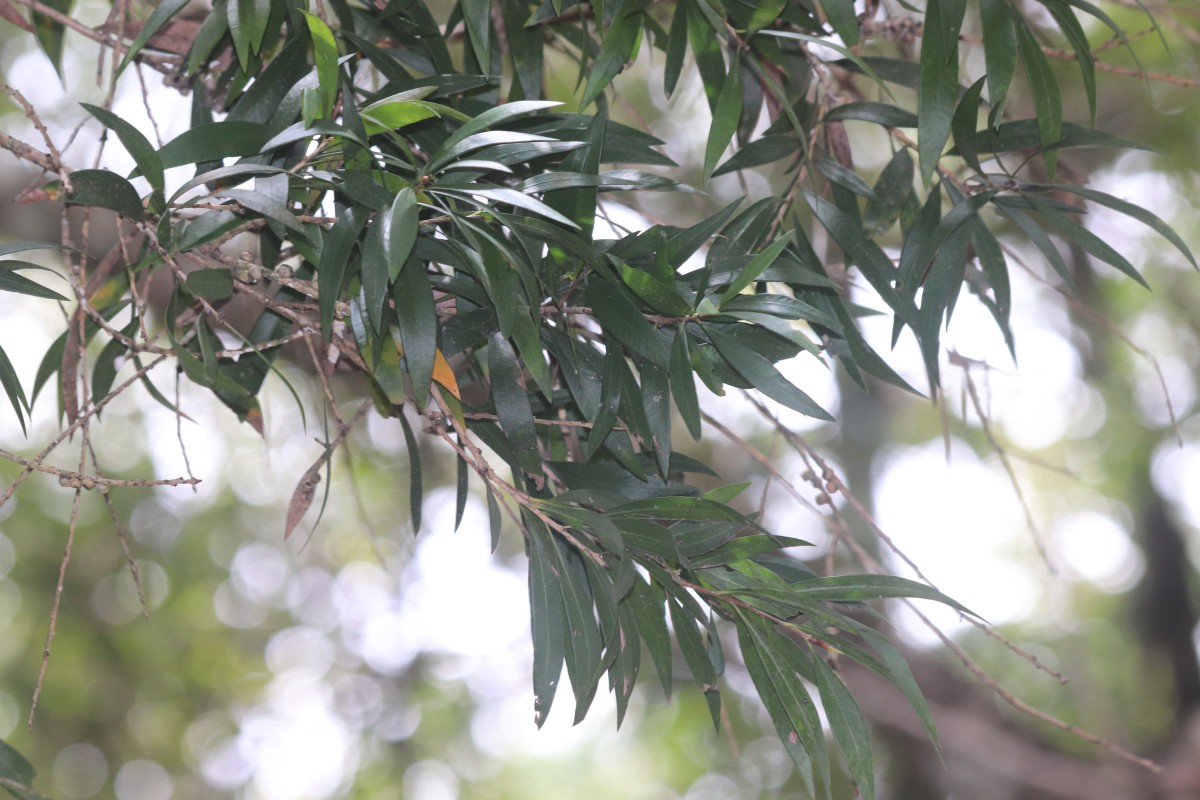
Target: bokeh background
360,660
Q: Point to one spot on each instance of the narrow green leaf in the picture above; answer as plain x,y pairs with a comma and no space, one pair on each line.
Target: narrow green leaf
964,122
336,247
10,281
1040,240
999,51
726,114
548,620
848,588
12,388
751,272
417,320
221,176
399,230
1089,241
621,319
268,207
584,642
213,141
656,294
248,25
791,709
162,14
899,673
99,187
512,403
892,190
884,114
842,19
1069,24
211,284
676,48
416,492
764,150
1137,212
656,403
144,155
477,16
848,726
870,258
19,773
763,376
1047,97
939,80
683,383
620,46
696,655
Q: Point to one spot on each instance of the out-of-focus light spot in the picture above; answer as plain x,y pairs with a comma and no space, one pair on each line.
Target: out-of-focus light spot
152,525
429,780
260,573
931,510
386,642
1163,395
1091,546
80,771
236,611
713,787
224,766
310,599
115,598
1176,474
295,648
298,747
143,780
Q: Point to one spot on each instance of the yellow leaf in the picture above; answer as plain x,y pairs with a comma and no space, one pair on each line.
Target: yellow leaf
444,374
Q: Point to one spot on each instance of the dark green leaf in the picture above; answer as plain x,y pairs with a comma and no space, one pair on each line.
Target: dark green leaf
548,620
999,51
417,320
620,318
683,384
939,79
144,155
1047,97
512,403
416,492
214,141
10,281
848,726
847,588
884,114
211,284
99,187
764,150
12,388
726,114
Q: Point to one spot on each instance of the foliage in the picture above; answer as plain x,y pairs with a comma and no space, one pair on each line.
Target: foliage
386,184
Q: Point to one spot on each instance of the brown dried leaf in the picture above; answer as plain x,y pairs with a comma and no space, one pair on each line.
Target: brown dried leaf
839,144
302,498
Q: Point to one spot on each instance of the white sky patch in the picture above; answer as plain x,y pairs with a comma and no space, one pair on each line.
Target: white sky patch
931,510
1094,547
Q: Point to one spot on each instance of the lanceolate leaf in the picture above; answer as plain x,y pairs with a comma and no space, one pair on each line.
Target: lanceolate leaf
548,619
726,115
939,79
1047,98
144,155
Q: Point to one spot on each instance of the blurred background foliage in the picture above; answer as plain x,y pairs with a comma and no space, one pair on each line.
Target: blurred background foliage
361,661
